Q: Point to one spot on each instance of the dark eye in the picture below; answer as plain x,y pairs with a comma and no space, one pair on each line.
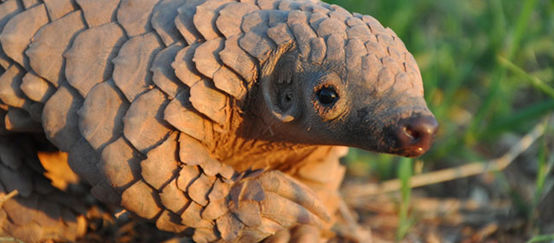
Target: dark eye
327,96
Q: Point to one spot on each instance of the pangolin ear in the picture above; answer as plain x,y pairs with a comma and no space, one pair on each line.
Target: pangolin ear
281,96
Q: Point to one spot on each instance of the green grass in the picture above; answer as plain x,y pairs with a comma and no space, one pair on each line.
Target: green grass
545,162
542,238
404,173
487,71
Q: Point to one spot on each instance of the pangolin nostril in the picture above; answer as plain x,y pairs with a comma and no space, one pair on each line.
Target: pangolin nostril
415,134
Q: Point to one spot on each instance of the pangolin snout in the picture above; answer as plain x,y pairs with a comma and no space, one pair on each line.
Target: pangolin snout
415,135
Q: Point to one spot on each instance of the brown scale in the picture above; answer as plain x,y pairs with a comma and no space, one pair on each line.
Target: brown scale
163,75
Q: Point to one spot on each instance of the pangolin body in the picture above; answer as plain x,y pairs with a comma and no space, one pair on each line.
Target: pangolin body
187,112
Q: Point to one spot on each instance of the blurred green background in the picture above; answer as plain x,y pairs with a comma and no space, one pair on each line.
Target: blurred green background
487,67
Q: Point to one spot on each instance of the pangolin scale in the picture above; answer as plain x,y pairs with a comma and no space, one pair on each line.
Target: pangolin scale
223,116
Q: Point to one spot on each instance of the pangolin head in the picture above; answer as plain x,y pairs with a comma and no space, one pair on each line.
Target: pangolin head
347,80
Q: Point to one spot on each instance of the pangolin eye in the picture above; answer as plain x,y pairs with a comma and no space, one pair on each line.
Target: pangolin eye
327,96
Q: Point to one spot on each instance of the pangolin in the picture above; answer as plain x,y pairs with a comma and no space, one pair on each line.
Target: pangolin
224,119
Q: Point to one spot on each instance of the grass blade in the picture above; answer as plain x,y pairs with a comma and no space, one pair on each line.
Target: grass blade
541,238
404,174
536,82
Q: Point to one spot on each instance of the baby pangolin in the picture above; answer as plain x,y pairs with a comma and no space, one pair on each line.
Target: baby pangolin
223,116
